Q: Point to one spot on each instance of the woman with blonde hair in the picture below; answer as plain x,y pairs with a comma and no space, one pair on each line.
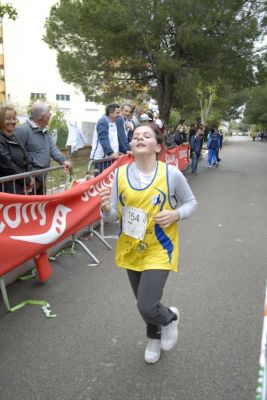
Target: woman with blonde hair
13,158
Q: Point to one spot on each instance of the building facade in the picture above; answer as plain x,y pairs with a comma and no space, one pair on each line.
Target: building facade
29,71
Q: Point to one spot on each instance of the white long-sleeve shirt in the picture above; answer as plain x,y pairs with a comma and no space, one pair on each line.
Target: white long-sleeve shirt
179,190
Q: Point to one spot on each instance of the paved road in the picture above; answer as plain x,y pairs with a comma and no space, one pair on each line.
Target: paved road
93,349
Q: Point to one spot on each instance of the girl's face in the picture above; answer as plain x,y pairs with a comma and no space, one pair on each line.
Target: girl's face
144,141
10,121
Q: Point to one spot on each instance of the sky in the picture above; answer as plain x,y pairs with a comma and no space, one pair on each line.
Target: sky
27,56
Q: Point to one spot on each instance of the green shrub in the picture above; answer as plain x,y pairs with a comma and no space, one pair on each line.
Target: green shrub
58,123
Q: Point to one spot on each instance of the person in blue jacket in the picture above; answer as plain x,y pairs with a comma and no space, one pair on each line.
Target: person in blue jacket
213,145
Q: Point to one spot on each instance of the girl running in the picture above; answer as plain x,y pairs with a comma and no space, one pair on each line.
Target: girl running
149,197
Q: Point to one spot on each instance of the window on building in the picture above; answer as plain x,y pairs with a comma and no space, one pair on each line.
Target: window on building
63,97
38,96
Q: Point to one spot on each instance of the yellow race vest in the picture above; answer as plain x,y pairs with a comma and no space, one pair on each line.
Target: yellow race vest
159,247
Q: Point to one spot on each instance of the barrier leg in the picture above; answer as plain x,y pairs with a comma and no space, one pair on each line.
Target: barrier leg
42,303
65,250
4,294
71,250
100,237
91,232
80,243
102,233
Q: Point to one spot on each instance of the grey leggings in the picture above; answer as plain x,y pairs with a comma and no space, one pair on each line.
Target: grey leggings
148,289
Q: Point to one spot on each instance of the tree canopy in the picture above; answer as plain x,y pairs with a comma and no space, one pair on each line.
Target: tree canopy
7,9
256,110
166,48
255,105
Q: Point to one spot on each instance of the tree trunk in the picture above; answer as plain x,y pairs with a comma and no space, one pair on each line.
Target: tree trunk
205,107
165,84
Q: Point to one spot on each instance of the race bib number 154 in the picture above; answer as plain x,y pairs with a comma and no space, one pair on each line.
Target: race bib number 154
134,222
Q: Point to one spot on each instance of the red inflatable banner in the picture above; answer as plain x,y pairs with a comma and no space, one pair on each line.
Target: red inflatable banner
178,156
30,225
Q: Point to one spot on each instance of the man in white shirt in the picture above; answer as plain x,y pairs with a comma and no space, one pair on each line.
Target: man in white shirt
105,138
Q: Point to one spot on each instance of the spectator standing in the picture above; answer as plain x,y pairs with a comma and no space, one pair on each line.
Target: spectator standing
13,157
135,116
201,126
213,145
220,134
195,149
124,126
253,135
135,121
221,138
147,117
178,137
38,143
105,139
151,115
144,117
160,124
181,129
170,138
149,197
192,131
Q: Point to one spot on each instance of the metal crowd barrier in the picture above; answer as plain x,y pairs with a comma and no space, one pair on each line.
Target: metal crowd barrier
95,168
55,183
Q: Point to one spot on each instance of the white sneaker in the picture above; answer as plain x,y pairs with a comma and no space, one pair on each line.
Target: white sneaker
169,333
152,352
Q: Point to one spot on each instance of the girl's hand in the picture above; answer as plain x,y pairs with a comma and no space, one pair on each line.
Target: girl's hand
167,217
105,196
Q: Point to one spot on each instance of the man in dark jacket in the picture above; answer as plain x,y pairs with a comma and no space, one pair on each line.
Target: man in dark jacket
124,126
195,149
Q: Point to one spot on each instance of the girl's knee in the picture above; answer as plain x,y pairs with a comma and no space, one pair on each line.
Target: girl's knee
147,311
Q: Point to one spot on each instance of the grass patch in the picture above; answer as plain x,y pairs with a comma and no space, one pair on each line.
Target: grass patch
79,162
